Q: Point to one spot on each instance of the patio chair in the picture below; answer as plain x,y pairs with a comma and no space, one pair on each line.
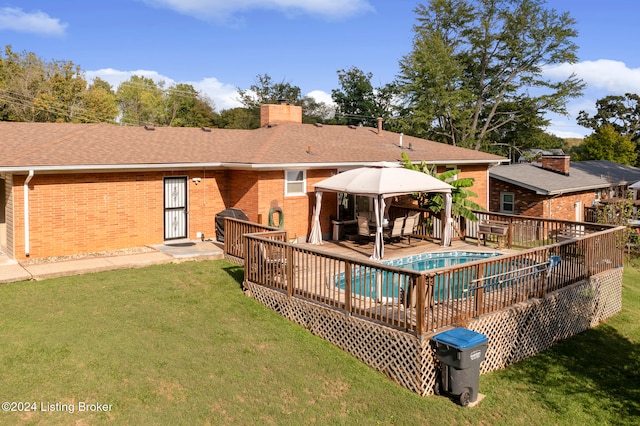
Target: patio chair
407,230
416,221
396,230
364,232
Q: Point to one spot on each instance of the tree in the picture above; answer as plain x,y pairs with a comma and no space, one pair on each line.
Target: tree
520,136
34,90
265,91
358,102
606,144
461,204
140,100
183,106
238,118
61,97
620,112
22,80
473,58
99,101
619,214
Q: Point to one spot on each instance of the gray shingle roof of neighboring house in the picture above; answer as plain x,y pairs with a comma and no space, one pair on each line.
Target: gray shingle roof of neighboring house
66,146
583,175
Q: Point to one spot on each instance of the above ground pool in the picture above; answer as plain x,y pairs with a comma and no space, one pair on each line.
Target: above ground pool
370,282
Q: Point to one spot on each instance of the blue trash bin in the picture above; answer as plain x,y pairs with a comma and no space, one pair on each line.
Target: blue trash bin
460,352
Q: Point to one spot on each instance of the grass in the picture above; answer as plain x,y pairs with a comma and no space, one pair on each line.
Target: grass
181,344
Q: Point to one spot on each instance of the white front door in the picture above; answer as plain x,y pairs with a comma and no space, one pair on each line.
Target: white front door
175,207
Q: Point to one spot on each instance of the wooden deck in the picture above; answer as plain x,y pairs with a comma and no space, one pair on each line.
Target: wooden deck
321,279
341,275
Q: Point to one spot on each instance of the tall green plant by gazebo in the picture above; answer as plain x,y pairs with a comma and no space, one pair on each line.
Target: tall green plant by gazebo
461,206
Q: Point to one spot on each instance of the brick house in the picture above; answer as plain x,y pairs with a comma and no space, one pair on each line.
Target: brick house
555,188
81,188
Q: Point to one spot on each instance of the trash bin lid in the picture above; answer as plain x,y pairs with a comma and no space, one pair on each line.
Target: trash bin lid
460,338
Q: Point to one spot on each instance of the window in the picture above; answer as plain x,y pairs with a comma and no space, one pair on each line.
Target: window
507,202
295,182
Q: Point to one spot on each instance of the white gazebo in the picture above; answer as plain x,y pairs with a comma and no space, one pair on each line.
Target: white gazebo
384,180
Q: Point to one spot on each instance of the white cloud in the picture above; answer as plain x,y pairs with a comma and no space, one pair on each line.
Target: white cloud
614,77
221,10
15,19
603,77
224,96
321,96
566,129
115,77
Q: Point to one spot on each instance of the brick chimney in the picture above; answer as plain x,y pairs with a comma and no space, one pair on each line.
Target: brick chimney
556,163
282,112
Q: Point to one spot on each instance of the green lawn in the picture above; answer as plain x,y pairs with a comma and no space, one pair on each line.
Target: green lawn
181,344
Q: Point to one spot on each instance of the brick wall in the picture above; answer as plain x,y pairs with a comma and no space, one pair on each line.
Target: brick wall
84,213
260,191
528,203
480,184
94,212
280,113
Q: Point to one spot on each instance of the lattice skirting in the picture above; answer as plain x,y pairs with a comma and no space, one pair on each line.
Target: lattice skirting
514,333
525,329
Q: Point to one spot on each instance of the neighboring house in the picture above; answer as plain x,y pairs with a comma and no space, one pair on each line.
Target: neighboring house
81,188
555,188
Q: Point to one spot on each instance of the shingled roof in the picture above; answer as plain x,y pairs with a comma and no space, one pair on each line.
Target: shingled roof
66,146
583,176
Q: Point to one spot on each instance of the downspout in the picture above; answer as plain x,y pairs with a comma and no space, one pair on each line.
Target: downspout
26,213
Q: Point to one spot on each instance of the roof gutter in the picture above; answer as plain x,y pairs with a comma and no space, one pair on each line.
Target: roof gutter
103,168
106,168
27,248
342,164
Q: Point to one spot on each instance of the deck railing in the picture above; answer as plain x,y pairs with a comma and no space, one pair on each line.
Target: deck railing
234,229
368,289
527,232
420,302
523,231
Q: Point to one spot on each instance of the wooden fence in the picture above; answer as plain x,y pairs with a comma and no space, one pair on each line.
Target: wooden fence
420,302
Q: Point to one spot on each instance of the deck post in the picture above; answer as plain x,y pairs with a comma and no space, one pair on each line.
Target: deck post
247,260
421,287
479,291
347,286
289,269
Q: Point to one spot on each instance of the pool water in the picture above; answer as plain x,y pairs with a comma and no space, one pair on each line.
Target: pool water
372,283
428,261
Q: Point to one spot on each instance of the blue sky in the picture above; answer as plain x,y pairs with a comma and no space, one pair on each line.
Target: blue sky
220,45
